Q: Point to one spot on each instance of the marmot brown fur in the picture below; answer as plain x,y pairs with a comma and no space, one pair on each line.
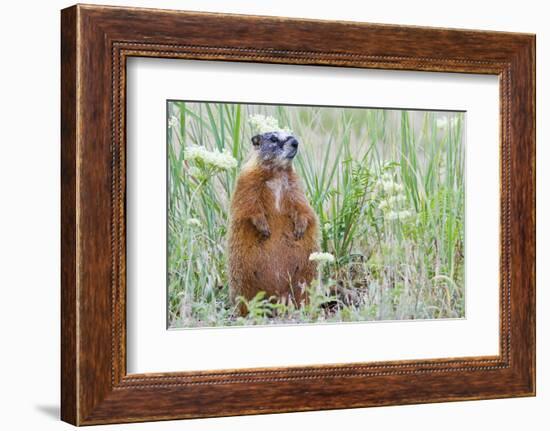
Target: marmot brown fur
273,230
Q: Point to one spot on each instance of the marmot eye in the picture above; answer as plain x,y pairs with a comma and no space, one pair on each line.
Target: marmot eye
273,139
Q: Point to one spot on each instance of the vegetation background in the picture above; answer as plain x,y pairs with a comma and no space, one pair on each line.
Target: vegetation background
387,186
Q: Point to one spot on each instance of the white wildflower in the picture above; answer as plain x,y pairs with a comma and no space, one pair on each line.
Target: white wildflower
398,215
172,121
321,257
193,222
262,124
383,205
213,158
389,186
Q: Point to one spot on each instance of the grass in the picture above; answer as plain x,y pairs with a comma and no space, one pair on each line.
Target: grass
387,186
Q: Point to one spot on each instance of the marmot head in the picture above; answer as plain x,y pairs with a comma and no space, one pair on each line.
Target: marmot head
275,148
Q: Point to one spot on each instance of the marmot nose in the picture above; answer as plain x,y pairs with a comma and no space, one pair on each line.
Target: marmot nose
294,143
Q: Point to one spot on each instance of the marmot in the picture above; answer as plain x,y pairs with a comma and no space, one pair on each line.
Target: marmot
273,229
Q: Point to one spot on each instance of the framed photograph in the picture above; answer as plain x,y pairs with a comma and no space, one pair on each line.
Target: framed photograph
322,214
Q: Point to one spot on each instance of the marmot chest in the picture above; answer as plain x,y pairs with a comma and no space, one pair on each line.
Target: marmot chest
277,192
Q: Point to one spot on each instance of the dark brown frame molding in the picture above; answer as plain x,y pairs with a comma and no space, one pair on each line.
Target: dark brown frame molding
95,43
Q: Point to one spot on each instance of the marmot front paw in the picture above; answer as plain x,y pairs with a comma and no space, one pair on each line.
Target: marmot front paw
265,233
261,225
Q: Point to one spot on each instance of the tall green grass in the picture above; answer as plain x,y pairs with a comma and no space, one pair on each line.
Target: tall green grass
387,186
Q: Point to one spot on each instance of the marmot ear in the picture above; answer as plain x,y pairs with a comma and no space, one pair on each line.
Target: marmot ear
256,140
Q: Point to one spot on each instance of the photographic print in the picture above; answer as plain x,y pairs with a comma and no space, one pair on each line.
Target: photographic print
249,211
287,214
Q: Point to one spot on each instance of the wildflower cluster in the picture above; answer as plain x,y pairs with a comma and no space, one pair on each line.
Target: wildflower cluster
392,200
214,159
262,124
321,257
172,121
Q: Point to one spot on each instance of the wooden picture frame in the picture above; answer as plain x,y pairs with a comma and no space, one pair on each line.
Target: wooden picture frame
96,41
